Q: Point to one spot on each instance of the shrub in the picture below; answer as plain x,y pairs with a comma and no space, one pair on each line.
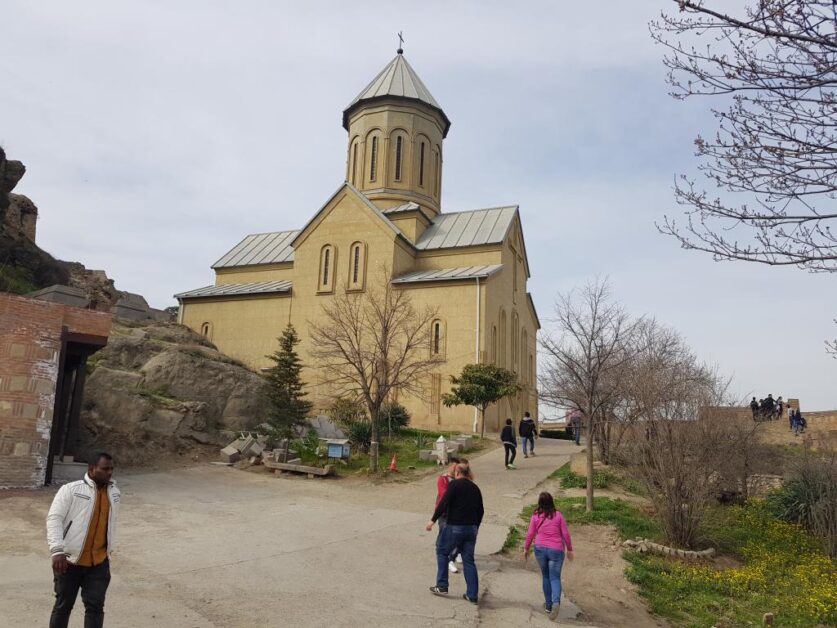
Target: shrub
809,497
394,415
350,415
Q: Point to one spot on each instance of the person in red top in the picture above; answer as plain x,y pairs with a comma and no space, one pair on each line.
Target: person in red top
441,486
548,530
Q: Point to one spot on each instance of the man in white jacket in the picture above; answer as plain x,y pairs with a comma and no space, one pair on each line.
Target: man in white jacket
81,528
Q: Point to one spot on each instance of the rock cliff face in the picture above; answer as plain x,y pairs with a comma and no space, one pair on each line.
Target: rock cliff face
159,388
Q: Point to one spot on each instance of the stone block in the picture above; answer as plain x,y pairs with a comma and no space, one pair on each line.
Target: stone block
230,454
426,455
247,445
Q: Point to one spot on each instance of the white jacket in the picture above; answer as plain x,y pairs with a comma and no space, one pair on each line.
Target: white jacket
69,517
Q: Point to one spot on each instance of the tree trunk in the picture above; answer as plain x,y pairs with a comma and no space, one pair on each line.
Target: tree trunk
373,444
482,422
589,462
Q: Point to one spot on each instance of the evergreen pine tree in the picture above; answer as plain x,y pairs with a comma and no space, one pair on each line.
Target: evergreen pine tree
287,405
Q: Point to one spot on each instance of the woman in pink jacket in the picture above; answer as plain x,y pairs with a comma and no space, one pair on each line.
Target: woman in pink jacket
548,530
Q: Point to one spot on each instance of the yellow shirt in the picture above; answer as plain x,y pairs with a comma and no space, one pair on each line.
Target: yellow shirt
95,550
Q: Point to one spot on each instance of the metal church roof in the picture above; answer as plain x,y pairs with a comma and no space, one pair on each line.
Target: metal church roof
471,228
449,274
260,248
235,289
397,80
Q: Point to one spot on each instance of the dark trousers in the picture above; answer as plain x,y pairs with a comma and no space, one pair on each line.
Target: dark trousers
442,522
464,539
511,452
93,582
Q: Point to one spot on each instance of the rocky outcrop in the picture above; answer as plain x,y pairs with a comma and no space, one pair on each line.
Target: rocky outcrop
17,213
158,388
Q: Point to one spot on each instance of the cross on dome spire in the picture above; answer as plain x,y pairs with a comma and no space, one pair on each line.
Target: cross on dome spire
400,43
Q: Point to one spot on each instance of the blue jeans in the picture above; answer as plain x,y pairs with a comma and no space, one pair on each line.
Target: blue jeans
530,440
577,435
462,539
550,561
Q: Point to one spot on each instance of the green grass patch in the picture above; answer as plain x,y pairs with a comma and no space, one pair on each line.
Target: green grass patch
569,479
628,519
15,281
406,444
783,570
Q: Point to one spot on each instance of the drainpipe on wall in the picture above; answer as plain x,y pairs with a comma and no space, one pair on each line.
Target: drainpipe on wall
180,311
477,350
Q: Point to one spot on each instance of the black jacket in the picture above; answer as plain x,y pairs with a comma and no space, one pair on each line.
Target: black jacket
461,504
507,436
527,427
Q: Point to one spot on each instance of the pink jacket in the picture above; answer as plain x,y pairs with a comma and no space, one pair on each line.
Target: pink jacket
551,533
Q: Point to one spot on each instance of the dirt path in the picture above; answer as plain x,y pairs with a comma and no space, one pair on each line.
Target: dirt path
215,547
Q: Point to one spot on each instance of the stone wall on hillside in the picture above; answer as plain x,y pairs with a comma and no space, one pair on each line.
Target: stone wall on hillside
160,387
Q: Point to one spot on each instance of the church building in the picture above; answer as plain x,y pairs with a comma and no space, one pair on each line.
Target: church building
469,265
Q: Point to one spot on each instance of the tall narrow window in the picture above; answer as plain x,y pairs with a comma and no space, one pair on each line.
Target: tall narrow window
437,337
354,162
326,262
373,164
206,330
357,266
398,147
494,344
437,176
421,164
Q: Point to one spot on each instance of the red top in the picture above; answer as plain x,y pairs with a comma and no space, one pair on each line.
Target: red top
442,486
551,533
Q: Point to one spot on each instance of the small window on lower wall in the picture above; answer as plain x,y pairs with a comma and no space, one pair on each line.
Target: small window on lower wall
206,330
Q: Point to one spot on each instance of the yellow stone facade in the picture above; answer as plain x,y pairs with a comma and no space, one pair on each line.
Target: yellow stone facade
386,216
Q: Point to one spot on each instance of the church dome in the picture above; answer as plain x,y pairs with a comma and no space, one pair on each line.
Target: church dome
398,80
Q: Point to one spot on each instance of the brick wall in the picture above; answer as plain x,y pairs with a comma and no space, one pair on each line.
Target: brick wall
30,346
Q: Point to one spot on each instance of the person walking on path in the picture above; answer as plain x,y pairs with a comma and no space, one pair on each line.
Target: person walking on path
528,432
509,441
441,487
81,527
548,530
462,503
575,422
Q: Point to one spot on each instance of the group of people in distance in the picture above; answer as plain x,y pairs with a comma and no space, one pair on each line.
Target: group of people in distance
528,431
459,512
767,409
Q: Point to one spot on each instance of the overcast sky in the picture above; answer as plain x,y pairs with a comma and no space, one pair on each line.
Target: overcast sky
157,134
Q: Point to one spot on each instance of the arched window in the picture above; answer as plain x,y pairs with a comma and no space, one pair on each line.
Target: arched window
327,263
354,163
494,344
206,330
421,164
437,338
357,266
399,152
515,339
502,353
373,160
531,369
437,176
524,352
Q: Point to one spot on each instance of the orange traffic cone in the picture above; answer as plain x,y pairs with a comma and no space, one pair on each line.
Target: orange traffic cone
393,465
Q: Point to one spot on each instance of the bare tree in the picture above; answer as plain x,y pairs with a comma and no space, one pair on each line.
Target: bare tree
775,67
585,357
374,343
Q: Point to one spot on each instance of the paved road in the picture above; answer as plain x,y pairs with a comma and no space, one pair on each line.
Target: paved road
218,547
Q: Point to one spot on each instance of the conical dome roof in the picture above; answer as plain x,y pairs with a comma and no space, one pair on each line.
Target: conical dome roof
397,80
